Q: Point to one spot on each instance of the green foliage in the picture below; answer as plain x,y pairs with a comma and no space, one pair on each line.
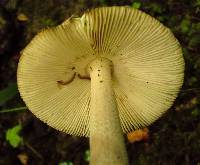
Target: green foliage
195,28
195,112
2,22
176,135
155,7
161,18
103,2
13,137
13,110
47,22
65,163
87,156
136,5
11,5
197,3
194,41
185,26
8,93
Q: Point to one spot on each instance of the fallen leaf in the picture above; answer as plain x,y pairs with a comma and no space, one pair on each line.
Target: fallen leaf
13,137
22,17
138,135
23,158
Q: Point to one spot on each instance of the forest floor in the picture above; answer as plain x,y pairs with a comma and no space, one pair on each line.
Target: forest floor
173,140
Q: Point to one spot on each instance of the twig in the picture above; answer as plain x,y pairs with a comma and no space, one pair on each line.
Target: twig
13,110
33,150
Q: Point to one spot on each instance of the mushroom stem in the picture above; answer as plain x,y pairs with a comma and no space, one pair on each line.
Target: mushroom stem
106,137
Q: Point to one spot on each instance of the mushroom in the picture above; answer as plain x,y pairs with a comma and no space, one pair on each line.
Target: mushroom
111,71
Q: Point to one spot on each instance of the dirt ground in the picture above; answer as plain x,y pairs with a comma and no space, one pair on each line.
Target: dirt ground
173,140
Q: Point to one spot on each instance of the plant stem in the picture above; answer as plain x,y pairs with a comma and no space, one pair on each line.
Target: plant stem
106,137
13,110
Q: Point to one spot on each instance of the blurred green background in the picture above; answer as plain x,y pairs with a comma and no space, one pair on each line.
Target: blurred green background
24,140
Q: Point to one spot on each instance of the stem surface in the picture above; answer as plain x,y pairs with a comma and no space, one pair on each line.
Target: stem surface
106,137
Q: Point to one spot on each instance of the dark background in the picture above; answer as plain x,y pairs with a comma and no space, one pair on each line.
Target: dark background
173,139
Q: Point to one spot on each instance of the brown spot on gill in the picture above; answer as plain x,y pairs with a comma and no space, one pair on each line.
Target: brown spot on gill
118,157
123,98
62,82
84,77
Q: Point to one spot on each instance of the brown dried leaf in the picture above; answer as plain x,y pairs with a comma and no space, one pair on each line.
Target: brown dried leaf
22,17
23,158
138,135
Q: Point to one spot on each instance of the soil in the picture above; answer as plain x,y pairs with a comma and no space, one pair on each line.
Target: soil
173,140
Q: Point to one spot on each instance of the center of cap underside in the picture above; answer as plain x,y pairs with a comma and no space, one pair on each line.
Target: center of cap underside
99,63
82,66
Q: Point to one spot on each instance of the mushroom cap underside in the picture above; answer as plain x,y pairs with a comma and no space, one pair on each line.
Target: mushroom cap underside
148,68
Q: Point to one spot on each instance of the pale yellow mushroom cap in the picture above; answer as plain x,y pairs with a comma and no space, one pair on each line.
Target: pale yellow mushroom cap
148,68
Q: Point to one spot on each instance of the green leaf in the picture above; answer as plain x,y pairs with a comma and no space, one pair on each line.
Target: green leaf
156,8
2,22
65,163
8,93
197,3
47,22
161,18
196,26
13,137
136,5
185,26
13,110
194,41
103,2
195,112
87,156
